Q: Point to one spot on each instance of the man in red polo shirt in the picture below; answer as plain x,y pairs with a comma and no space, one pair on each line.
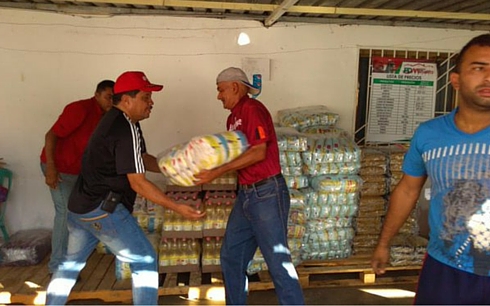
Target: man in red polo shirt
260,215
61,158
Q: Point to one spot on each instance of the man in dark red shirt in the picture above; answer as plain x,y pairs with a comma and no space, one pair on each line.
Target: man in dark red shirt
260,214
61,157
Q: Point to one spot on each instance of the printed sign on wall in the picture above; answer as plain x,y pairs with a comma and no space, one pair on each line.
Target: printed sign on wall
403,94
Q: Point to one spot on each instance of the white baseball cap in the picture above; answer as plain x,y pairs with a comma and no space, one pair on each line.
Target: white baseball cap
233,74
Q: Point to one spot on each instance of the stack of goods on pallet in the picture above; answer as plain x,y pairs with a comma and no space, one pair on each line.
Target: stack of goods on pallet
331,205
150,220
180,243
330,162
291,143
372,205
218,204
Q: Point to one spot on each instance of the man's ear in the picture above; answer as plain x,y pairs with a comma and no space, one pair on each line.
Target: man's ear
454,78
236,87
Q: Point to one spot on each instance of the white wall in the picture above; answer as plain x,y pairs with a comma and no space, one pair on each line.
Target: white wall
48,60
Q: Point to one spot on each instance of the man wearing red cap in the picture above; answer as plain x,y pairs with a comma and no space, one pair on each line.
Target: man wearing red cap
100,206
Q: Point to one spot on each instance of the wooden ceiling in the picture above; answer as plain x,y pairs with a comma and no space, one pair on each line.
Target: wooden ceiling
451,14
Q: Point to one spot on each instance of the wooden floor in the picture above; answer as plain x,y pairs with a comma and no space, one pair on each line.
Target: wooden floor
27,285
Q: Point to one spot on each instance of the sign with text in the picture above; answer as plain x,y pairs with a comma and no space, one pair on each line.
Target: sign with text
403,94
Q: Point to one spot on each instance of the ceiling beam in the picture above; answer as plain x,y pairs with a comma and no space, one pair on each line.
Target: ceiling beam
279,11
113,11
299,9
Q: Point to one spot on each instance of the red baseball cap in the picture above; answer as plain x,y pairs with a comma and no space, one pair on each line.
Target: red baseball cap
134,80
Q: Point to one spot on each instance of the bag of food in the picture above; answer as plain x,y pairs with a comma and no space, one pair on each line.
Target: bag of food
181,162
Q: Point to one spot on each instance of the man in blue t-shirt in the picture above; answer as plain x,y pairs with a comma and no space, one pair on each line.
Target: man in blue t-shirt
454,152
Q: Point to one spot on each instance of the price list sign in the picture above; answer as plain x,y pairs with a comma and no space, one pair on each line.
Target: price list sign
403,93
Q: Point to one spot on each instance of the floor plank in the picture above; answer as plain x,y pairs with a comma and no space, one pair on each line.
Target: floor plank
99,279
100,272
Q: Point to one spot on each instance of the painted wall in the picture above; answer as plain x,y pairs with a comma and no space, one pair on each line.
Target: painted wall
48,60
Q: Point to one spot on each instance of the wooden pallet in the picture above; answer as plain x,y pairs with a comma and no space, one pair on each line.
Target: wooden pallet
353,271
27,285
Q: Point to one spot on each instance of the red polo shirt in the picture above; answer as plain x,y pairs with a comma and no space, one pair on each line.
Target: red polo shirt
254,120
73,129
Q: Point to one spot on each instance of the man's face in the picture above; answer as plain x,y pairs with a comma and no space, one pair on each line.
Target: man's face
227,94
141,105
104,98
473,80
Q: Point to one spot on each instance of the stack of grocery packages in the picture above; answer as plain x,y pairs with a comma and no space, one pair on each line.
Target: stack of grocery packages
320,163
373,202
188,246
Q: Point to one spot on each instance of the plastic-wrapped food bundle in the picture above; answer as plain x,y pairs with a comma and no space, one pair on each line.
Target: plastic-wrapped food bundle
330,213
322,198
369,225
26,247
407,250
331,168
337,183
325,129
290,158
365,244
370,188
372,207
328,244
181,162
331,154
296,182
324,148
289,139
302,117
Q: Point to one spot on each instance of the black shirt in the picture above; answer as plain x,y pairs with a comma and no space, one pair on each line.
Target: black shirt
114,150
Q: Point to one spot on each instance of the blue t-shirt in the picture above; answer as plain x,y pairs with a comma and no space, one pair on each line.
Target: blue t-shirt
458,165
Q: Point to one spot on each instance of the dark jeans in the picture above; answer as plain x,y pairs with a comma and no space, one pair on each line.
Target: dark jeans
259,219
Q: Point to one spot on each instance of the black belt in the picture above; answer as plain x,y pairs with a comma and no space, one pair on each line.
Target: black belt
262,182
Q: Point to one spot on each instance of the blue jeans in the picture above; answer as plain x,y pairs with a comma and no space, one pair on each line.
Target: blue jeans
120,232
59,238
259,219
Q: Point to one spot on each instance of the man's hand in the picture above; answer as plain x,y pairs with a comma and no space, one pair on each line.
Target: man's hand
206,176
52,176
189,212
380,259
